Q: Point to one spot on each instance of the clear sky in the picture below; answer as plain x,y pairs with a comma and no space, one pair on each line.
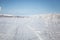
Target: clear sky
29,7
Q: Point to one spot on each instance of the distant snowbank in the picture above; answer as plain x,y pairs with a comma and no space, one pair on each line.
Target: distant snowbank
5,15
43,16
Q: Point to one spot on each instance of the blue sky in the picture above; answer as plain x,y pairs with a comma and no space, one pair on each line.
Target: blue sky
29,7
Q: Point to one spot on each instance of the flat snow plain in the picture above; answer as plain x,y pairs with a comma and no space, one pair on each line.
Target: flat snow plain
35,27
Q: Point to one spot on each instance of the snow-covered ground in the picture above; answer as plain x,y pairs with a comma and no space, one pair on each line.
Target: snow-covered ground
35,27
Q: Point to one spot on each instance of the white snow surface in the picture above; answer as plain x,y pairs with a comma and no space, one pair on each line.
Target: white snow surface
35,27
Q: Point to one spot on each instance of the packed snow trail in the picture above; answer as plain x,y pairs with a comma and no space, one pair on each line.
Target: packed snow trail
16,29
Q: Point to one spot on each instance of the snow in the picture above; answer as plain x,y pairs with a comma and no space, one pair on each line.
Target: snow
6,15
35,27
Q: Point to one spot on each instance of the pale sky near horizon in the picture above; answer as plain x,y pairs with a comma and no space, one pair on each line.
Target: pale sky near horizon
0,8
29,7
